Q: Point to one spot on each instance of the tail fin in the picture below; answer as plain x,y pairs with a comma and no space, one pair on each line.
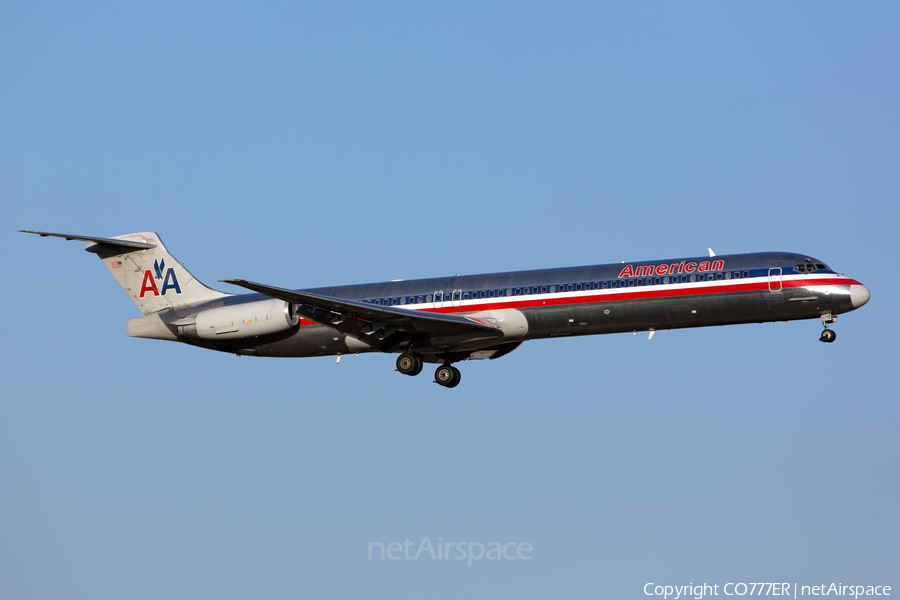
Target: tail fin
144,268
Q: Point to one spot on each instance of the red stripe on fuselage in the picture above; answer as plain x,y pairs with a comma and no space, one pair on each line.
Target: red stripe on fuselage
633,293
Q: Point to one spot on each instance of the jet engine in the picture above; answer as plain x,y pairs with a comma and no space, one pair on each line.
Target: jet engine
251,319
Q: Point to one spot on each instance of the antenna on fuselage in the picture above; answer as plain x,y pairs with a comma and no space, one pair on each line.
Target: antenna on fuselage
711,253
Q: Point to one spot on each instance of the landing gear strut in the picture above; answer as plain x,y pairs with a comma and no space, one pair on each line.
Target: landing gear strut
447,376
828,335
409,364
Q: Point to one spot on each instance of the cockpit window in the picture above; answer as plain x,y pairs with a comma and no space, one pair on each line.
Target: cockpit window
800,268
822,267
810,267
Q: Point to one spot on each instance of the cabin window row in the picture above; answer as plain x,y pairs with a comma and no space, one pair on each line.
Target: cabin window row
551,289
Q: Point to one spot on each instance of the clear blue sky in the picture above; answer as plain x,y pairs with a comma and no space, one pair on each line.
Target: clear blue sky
316,145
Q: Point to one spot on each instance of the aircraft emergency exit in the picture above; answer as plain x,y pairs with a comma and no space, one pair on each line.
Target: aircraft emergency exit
447,320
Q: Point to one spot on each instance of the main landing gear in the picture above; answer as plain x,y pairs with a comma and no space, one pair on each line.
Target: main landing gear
445,375
828,335
409,364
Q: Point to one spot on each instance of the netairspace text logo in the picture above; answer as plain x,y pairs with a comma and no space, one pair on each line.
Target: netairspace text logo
467,551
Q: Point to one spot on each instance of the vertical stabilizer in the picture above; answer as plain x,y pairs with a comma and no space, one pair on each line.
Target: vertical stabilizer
150,276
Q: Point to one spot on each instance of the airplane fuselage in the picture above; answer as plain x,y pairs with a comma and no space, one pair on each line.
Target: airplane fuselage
612,298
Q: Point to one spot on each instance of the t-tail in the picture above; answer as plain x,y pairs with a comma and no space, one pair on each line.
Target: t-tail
151,277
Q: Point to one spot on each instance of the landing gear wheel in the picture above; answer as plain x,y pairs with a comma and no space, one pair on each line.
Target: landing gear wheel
457,377
828,336
409,364
447,376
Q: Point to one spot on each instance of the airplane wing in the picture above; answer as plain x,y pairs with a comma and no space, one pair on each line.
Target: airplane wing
378,326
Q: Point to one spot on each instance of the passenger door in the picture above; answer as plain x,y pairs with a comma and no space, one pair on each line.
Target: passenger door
775,279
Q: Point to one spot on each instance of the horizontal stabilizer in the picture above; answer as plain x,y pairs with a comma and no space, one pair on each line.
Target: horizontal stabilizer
96,240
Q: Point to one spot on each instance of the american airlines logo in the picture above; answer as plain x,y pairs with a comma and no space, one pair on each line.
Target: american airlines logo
672,269
169,281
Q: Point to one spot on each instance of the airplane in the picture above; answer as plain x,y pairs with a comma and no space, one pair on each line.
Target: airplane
447,320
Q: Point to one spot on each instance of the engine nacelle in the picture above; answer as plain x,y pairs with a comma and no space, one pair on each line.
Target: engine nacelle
251,319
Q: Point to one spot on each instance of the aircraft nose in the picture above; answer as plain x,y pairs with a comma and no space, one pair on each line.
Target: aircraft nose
859,295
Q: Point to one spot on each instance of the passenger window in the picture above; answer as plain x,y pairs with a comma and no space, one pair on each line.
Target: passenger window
428,298
718,276
543,289
604,284
393,301
491,293
403,300
728,275
640,282
746,273
577,286
420,298
691,278
465,295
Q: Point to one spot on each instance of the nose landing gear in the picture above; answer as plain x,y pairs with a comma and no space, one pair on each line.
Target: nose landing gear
828,335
